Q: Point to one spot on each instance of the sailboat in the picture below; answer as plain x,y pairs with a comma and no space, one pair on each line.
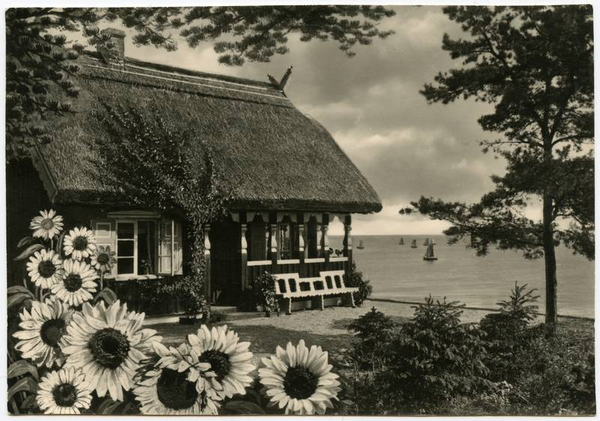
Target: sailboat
413,245
426,242
429,255
401,241
360,245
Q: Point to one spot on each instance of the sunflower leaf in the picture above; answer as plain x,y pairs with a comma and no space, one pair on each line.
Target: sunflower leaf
107,294
29,251
19,289
29,402
18,300
108,406
25,241
242,407
59,243
21,367
26,384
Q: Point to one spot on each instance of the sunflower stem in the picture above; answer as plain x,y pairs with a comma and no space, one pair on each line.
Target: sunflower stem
101,279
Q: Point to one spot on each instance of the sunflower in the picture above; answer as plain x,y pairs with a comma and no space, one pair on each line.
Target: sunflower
299,380
229,359
175,385
45,268
80,243
46,226
104,259
108,343
64,392
77,284
42,332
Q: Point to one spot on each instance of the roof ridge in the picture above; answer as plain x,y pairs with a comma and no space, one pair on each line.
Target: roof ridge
124,71
183,72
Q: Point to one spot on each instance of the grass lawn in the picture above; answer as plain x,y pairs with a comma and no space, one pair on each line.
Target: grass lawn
264,339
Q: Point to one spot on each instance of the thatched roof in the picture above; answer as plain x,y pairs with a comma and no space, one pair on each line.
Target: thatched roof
271,156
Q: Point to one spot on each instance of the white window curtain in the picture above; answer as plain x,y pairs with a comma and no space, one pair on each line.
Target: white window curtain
170,253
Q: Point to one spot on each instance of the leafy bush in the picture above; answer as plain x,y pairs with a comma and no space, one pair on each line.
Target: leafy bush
260,293
373,335
355,278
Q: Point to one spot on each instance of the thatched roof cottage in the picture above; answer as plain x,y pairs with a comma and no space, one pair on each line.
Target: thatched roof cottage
286,174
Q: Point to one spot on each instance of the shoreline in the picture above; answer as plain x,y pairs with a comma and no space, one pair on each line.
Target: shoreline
488,309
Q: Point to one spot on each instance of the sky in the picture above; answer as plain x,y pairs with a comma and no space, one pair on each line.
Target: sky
371,104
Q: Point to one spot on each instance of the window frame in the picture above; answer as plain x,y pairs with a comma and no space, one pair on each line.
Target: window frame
135,246
175,246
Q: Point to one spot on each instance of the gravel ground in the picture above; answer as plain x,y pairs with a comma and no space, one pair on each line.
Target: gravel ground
333,320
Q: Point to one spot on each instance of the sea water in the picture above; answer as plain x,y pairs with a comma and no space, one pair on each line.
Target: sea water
399,272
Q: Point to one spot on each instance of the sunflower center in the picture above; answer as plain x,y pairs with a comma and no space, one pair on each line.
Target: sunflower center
175,391
72,282
46,268
80,243
300,383
219,362
47,224
109,347
64,394
103,258
52,330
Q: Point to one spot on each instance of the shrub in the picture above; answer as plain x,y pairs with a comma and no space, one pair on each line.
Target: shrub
507,331
355,278
437,357
373,334
547,372
515,314
260,293
421,364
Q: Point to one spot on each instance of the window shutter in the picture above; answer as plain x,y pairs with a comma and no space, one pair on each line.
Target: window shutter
104,231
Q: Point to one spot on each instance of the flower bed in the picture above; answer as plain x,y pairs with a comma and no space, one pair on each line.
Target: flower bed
74,348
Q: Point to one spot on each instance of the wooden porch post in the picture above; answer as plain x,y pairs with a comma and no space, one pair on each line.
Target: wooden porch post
207,268
244,249
301,243
348,242
325,237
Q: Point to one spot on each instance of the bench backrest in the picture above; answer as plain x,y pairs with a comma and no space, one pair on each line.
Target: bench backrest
292,283
286,282
333,279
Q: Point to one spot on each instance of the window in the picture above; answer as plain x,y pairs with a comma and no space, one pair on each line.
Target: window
169,250
287,240
257,243
146,247
142,246
126,250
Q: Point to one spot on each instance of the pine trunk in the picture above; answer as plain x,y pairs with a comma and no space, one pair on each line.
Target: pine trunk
550,265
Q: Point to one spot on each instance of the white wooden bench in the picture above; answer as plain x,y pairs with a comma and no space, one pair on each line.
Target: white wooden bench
290,285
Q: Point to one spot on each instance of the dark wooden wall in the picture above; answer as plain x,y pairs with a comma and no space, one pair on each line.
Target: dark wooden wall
226,274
